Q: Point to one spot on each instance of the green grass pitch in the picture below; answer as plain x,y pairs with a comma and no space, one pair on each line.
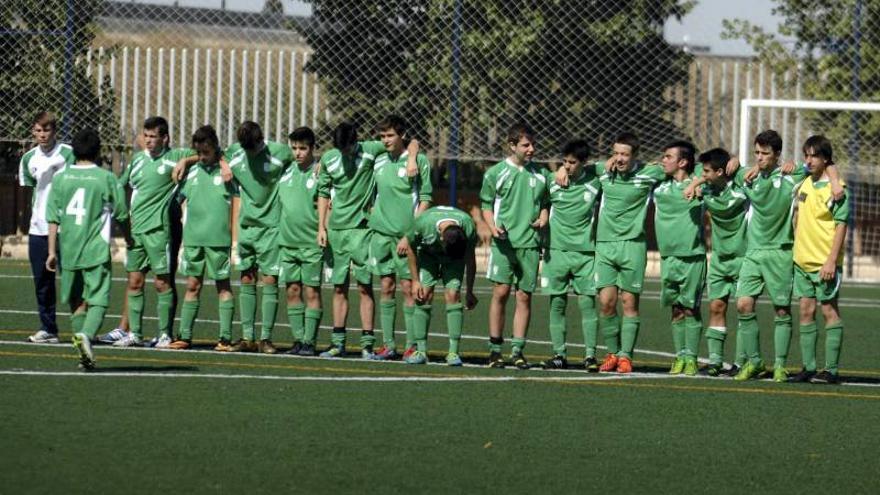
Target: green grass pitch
199,422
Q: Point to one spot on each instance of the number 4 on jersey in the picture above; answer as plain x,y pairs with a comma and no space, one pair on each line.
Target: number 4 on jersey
76,206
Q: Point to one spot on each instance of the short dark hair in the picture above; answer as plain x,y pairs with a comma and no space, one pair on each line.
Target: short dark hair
518,131
249,135
770,138
629,139
686,150
395,122
45,119
302,135
454,242
821,146
87,145
345,134
577,148
716,159
158,123
206,135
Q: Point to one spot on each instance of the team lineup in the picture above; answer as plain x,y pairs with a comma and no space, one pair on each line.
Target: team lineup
281,216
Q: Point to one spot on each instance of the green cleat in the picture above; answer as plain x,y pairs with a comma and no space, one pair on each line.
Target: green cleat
83,346
690,367
417,357
453,359
750,371
780,375
677,366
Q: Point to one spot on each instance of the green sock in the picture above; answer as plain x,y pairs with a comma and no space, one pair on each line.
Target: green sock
781,339
629,332
454,324
226,308
296,318
189,310
421,317
715,340
136,312
387,317
808,337
678,346
368,339
751,341
740,351
408,312
270,309
558,302
692,330
589,324
495,344
517,344
247,303
312,320
94,318
77,320
164,302
833,343
608,325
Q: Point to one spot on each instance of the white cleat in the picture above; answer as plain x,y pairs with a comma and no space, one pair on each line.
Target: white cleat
129,340
43,337
83,345
164,342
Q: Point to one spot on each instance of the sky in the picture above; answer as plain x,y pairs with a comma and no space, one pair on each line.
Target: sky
702,27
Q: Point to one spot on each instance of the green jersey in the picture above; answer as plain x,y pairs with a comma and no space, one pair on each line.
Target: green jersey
397,195
206,221
772,203
727,208
81,202
298,192
515,196
624,203
424,233
572,211
257,178
348,182
151,187
678,222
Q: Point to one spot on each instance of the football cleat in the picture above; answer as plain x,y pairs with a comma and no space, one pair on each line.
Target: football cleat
517,359
714,369
334,351
453,359
129,340
749,371
409,351
162,342
825,377
591,365
244,345
677,367
732,371
417,357
83,345
265,346
496,360
112,336
690,367
803,376
294,350
307,350
43,337
367,353
386,353
624,365
181,345
557,362
780,375
223,345
609,364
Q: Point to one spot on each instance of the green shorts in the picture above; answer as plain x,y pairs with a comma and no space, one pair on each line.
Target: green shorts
199,261
681,280
150,250
92,285
301,265
723,274
384,259
513,266
809,285
258,248
772,268
349,248
563,268
433,269
621,264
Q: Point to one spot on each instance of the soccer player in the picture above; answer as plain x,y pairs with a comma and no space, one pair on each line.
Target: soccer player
207,237
257,166
440,246
81,202
514,205
818,256
570,258
149,175
346,175
301,259
400,197
678,223
37,168
768,260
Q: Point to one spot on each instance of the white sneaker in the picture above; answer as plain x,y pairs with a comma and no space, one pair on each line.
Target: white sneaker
43,337
113,336
163,342
83,345
129,340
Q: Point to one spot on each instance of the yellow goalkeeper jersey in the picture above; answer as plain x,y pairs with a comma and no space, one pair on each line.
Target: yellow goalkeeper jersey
818,215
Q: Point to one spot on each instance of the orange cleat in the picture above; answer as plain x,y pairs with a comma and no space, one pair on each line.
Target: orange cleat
180,345
624,365
609,363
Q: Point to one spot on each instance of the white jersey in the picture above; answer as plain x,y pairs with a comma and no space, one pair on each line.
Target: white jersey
36,170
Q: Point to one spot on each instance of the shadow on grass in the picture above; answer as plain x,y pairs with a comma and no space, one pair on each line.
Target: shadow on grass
144,369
